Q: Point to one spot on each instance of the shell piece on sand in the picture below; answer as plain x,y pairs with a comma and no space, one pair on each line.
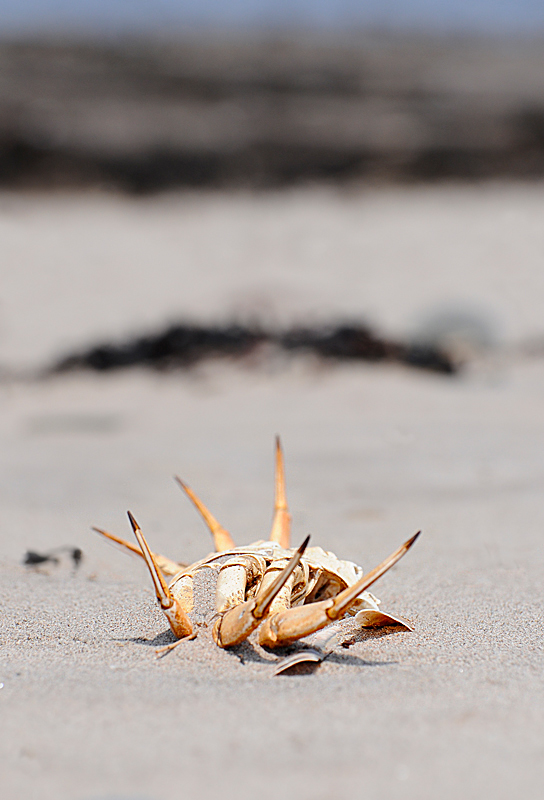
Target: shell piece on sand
326,640
369,618
300,657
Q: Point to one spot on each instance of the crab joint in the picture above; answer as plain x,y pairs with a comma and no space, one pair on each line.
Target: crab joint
236,624
177,618
294,623
234,577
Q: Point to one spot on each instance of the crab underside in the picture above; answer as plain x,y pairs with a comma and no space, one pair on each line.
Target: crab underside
286,593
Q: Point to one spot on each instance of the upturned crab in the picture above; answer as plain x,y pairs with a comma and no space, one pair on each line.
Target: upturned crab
286,593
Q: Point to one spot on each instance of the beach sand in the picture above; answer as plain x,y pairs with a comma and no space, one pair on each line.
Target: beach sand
374,453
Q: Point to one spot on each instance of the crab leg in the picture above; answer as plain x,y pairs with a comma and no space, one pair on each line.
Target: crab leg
177,618
221,538
233,580
294,623
166,565
236,624
281,525
282,600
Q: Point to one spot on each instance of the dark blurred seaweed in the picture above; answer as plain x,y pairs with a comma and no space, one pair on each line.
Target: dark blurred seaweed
182,346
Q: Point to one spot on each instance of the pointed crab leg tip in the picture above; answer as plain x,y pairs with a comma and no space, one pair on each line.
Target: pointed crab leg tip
304,545
344,598
135,526
412,541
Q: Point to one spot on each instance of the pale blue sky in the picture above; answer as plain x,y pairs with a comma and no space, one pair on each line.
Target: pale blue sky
122,15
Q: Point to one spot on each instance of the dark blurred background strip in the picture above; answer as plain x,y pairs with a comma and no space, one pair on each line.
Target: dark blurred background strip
255,110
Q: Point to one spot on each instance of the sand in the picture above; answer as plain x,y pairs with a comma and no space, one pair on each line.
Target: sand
453,709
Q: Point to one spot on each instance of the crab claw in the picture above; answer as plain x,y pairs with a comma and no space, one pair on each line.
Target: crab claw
294,623
177,618
236,624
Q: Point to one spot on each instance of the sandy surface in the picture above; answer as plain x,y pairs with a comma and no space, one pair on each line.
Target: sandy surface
78,269
451,710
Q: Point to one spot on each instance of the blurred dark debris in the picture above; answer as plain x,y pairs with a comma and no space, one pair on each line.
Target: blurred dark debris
183,346
143,116
34,559
177,346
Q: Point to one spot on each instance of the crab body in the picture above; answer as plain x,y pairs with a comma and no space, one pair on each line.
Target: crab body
286,592
319,576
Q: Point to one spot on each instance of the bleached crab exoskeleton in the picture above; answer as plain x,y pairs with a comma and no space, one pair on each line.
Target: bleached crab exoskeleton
287,593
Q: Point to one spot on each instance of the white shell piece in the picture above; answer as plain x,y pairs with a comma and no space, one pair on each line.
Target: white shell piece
327,638
368,618
318,558
300,657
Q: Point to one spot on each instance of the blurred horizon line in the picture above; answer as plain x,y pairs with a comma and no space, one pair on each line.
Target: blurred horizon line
113,18
337,37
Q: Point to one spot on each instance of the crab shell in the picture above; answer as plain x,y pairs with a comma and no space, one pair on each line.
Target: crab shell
320,575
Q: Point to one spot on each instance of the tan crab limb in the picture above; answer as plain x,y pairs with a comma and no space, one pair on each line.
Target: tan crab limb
221,538
294,623
162,651
177,618
166,565
236,624
284,597
234,577
181,590
281,525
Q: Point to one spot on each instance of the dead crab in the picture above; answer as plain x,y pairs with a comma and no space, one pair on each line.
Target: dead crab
287,593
